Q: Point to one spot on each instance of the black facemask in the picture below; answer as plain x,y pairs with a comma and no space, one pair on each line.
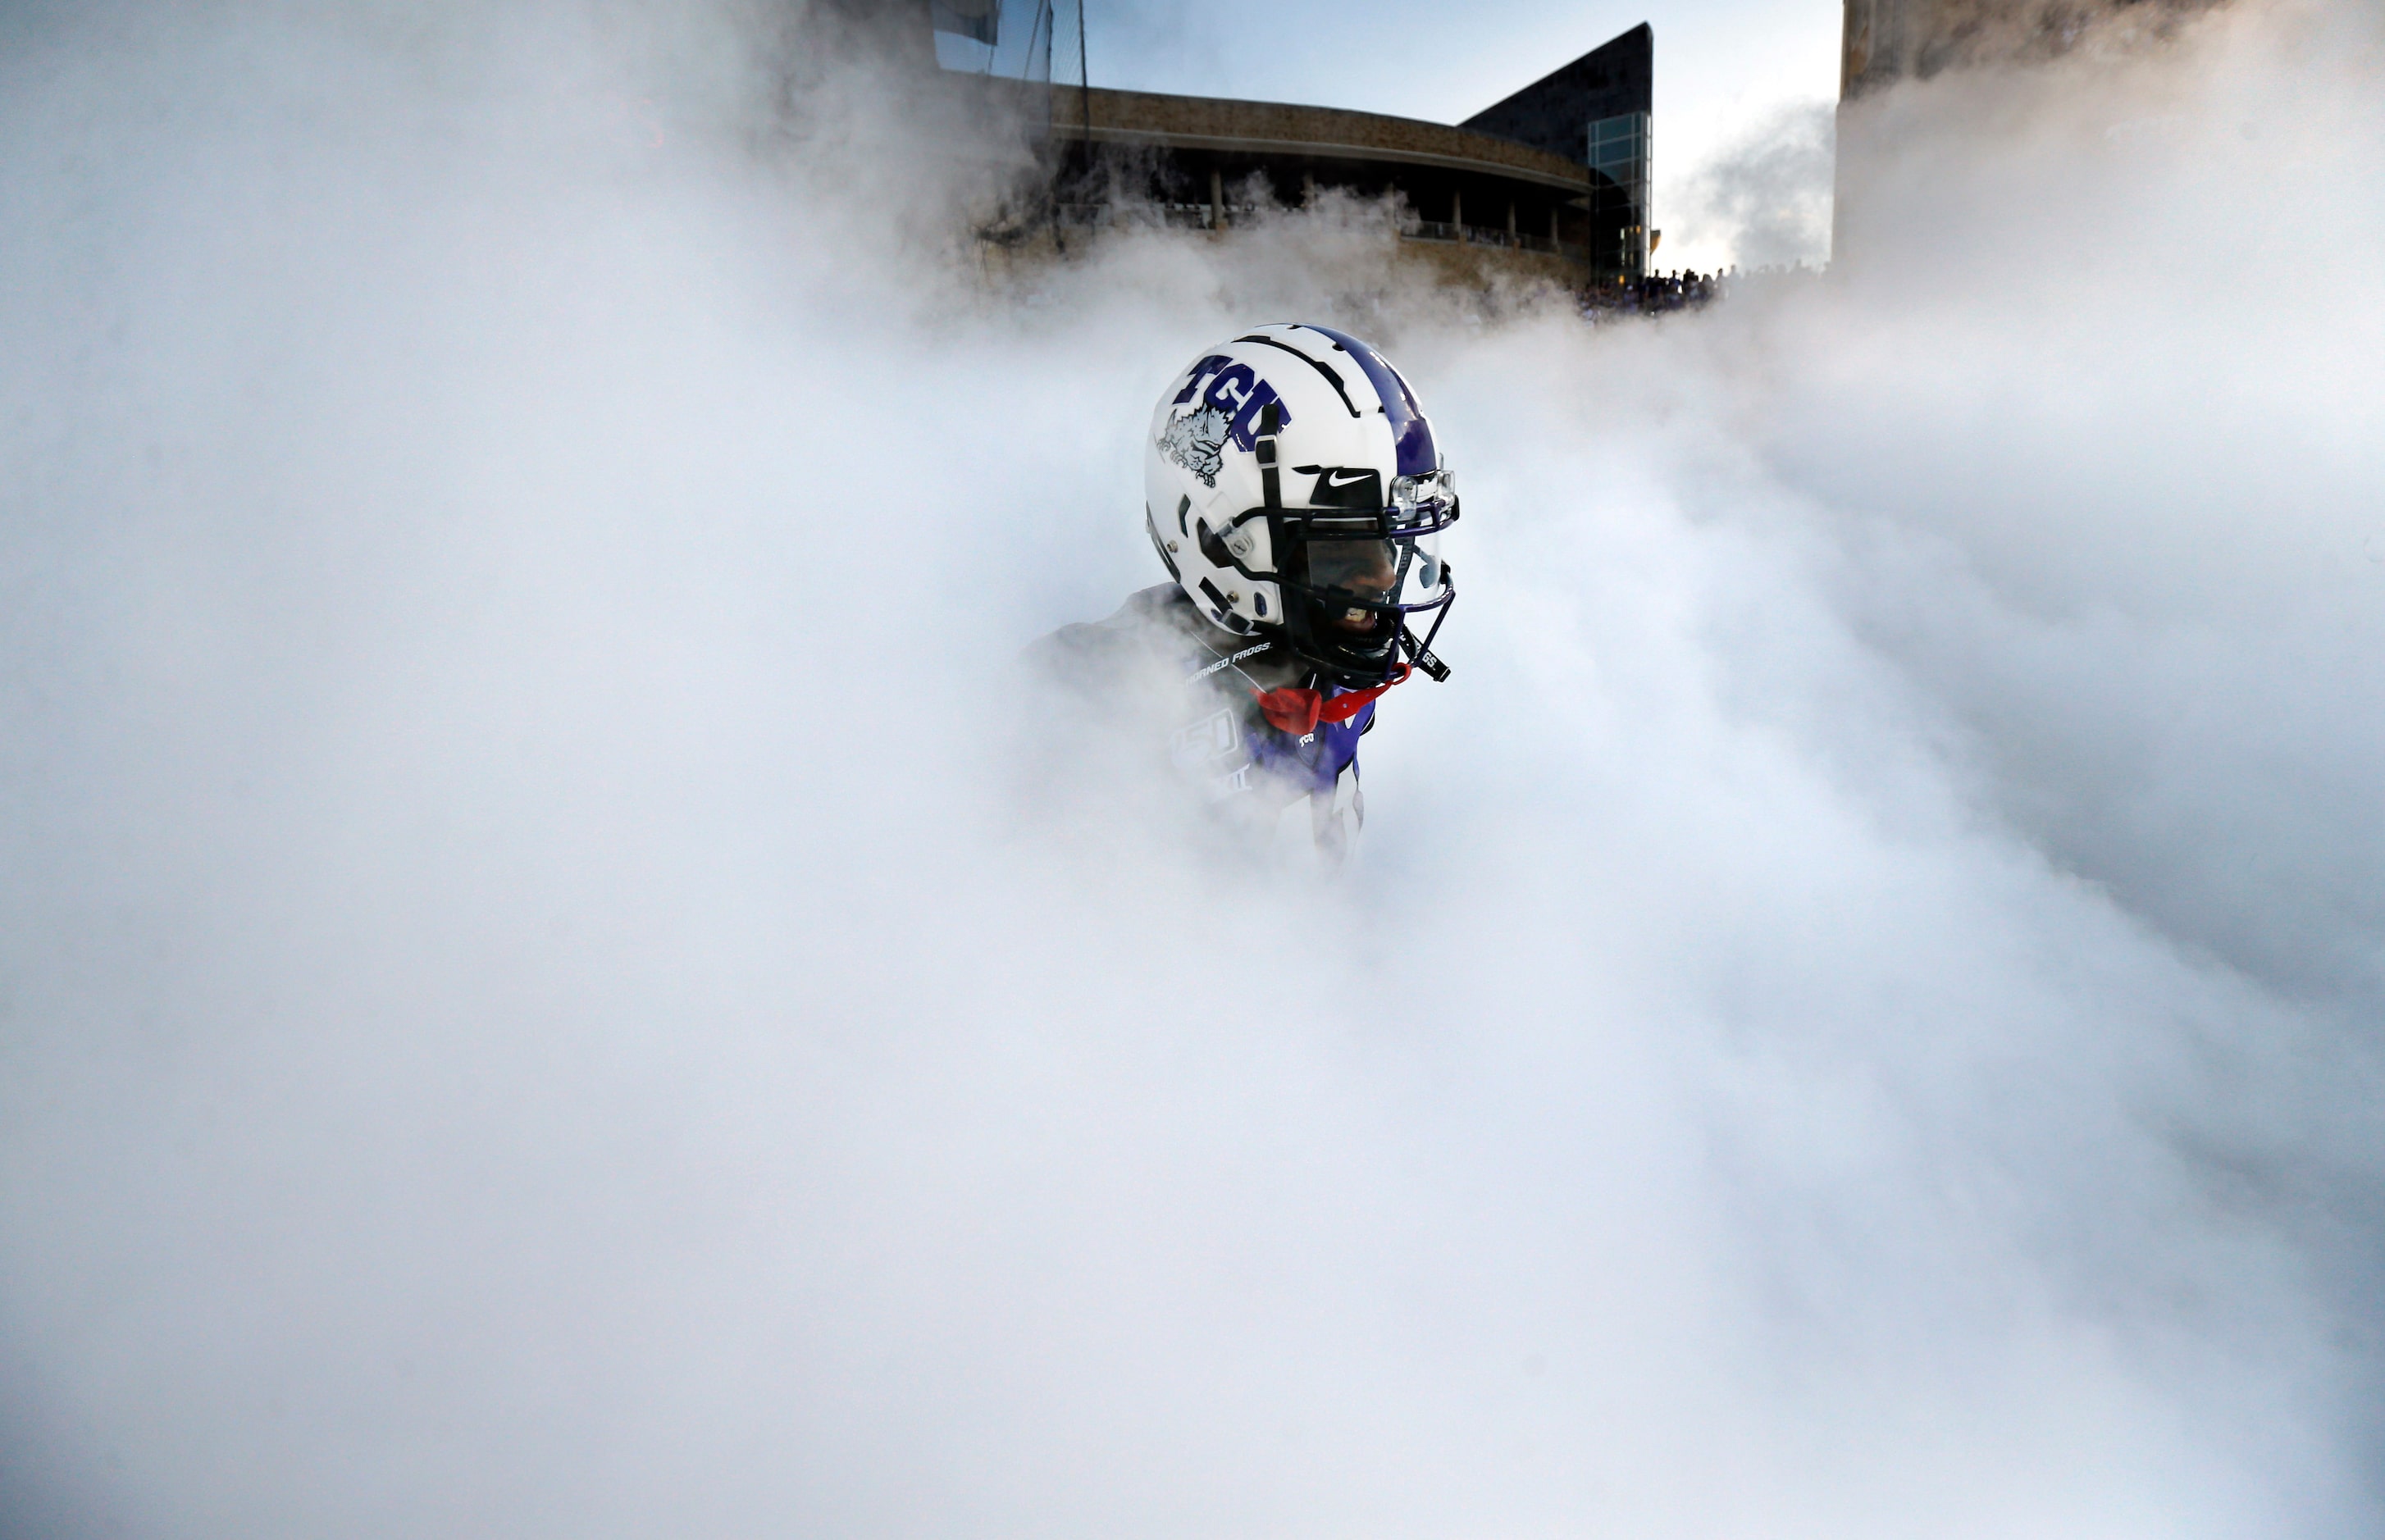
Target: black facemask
1348,601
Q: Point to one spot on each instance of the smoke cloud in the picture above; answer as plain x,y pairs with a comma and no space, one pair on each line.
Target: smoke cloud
545,991
1765,199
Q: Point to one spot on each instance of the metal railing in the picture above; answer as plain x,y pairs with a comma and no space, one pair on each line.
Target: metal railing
1173,216
1476,235
1201,216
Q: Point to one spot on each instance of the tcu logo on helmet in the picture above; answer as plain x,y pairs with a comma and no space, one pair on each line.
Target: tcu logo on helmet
1196,439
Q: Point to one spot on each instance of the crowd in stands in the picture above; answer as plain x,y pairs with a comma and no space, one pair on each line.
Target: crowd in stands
1680,290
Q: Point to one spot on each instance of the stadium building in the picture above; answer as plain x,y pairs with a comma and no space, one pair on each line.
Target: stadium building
1553,179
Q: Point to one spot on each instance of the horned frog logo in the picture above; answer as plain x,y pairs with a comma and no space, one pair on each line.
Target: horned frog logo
1194,441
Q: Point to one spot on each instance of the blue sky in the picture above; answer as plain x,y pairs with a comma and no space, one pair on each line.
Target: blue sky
1717,58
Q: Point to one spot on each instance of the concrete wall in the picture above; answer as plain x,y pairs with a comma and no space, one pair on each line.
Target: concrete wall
1883,41
1198,158
1277,128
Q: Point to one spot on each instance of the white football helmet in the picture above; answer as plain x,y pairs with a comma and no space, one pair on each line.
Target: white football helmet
1292,487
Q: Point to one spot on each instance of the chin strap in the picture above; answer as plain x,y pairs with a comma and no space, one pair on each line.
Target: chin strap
1296,711
1423,653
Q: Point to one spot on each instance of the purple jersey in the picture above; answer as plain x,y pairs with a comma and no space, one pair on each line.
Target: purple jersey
1312,760
1200,685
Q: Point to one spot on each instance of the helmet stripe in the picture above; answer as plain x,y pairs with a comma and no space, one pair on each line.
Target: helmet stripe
1411,434
1317,363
